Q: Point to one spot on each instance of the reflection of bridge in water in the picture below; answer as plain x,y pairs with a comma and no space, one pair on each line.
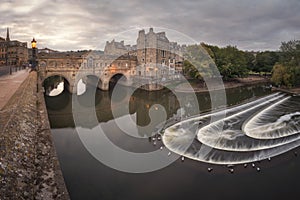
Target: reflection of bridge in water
140,102
60,107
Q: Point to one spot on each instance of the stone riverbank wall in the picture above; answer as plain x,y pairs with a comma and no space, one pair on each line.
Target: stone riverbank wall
29,167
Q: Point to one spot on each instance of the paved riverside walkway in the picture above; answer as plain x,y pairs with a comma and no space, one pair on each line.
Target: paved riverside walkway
9,85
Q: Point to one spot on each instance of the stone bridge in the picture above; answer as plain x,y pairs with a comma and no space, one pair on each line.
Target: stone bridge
89,66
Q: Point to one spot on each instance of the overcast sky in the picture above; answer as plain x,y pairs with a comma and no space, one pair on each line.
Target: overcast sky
72,25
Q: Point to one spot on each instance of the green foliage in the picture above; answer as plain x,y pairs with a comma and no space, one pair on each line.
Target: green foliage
287,71
278,74
290,52
250,59
202,65
231,62
190,70
265,61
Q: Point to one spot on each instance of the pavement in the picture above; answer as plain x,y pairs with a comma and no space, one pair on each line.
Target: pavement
9,85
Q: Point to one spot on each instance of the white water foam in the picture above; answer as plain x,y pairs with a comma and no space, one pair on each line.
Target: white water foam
225,139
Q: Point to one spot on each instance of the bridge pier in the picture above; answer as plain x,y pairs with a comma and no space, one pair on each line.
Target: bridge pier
103,85
72,88
128,82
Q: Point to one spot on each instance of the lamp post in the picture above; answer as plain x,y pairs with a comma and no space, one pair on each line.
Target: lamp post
34,66
33,62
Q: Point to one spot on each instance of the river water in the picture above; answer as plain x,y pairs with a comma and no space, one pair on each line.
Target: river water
270,121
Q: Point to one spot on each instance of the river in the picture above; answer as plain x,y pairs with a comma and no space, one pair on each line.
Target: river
87,178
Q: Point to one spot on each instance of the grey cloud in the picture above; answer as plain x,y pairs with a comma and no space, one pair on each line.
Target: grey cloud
66,25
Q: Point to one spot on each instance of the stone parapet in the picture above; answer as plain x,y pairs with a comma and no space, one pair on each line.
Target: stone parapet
29,167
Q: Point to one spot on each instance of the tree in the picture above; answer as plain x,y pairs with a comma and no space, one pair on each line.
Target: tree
265,61
190,70
202,64
287,71
290,52
250,59
278,73
230,61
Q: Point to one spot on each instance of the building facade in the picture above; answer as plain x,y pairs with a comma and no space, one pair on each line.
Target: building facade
3,50
158,59
13,52
155,54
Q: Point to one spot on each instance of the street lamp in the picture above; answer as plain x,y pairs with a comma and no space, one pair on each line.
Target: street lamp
33,46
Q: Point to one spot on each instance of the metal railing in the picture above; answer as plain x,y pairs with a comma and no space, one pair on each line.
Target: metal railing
8,70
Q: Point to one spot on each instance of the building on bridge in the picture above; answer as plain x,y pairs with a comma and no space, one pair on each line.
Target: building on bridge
158,59
13,52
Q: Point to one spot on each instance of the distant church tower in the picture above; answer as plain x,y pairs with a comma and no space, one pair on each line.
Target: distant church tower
7,35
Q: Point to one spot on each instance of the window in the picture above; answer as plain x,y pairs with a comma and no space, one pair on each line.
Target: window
163,53
90,62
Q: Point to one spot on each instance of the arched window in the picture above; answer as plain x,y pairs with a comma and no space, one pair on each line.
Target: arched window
90,62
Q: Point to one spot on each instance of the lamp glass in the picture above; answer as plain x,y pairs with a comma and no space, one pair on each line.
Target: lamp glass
33,45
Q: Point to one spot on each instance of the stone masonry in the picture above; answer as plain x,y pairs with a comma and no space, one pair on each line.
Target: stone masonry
29,167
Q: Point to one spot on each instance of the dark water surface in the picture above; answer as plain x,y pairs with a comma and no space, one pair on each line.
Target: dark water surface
87,178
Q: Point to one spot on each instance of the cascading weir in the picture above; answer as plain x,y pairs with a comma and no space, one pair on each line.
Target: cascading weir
250,132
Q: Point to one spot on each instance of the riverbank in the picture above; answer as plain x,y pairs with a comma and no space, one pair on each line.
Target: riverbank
293,91
29,167
196,86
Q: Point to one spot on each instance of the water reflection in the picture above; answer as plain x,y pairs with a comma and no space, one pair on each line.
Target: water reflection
60,107
54,85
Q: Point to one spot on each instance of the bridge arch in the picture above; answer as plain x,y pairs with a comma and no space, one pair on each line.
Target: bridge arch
56,74
87,81
117,76
53,81
110,80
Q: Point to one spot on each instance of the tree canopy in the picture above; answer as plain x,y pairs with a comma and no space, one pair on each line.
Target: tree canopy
287,70
232,62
